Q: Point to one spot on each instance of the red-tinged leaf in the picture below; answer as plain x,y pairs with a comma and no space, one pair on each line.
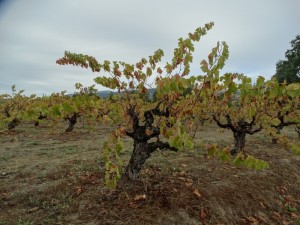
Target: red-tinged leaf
137,76
159,70
148,132
117,72
131,85
139,65
144,90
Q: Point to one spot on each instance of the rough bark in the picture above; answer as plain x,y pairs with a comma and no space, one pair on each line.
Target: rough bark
12,124
141,135
72,121
239,142
37,122
240,130
141,152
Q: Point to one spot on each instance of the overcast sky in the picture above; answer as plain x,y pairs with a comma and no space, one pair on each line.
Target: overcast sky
35,33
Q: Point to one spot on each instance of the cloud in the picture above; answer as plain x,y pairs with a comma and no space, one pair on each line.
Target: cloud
34,34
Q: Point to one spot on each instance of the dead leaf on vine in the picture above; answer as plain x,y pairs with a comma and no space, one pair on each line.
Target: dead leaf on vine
122,130
148,132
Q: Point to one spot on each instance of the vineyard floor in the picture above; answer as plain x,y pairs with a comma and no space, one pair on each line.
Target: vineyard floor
48,176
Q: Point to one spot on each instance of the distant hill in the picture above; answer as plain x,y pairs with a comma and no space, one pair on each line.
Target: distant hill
105,94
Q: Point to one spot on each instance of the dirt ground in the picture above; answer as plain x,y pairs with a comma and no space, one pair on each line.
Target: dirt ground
48,176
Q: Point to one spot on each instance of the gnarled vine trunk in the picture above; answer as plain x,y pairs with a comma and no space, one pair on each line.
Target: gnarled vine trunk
138,157
142,149
72,121
239,129
239,142
37,122
13,123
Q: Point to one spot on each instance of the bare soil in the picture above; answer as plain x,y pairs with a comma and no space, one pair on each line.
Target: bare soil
48,176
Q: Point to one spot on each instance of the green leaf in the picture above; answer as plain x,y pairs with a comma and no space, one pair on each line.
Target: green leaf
31,113
67,108
149,71
224,156
238,161
56,110
176,142
204,66
292,209
274,92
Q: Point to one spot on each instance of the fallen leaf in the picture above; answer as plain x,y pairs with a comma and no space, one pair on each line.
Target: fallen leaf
189,182
262,205
202,214
139,197
132,205
33,209
79,191
182,173
277,216
196,192
293,215
252,220
183,165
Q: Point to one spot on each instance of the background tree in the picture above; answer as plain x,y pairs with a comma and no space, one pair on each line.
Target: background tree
289,70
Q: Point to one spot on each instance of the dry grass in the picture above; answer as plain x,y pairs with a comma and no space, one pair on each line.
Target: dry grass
51,177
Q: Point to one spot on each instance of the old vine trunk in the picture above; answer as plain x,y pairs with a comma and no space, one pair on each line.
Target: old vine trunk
141,135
